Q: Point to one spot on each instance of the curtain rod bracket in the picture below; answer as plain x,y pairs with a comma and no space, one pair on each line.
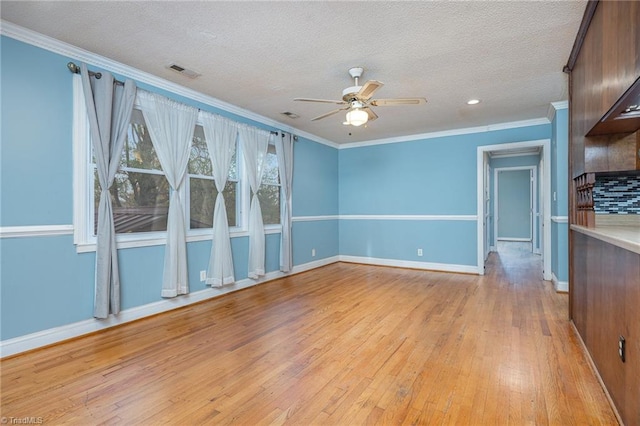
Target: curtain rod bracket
76,70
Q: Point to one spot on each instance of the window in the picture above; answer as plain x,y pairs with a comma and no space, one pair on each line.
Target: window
269,192
202,188
140,192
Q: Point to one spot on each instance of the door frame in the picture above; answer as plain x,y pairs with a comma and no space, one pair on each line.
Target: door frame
486,202
533,202
481,158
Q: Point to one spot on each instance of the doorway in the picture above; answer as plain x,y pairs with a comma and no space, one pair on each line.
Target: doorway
515,206
486,226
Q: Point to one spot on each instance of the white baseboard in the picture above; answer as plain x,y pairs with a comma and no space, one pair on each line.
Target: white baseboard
525,240
313,265
445,267
562,286
58,334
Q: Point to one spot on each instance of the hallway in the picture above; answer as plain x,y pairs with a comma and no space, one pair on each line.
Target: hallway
515,257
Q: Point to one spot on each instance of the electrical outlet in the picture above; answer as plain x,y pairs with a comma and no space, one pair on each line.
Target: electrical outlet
203,275
419,252
313,252
621,347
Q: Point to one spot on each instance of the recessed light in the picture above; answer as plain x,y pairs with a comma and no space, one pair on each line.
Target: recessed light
473,101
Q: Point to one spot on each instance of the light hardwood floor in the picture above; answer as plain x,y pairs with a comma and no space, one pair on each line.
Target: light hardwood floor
344,344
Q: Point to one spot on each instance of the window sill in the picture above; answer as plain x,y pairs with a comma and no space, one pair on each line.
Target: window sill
160,238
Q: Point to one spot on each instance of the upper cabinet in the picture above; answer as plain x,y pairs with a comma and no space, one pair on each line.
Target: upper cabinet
604,83
623,117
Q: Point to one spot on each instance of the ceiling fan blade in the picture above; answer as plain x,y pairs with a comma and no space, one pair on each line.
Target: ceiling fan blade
335,111
326,101
398,101
372,115
367,89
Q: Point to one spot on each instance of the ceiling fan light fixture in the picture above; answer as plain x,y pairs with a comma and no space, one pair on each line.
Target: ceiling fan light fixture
357,117
358,101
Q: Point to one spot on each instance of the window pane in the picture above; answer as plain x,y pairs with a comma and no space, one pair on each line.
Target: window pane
233,167
140,202
199,162
203,195
269,196
138,149
271,174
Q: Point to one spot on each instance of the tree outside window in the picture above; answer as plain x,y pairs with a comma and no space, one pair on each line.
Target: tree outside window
202,188
269,192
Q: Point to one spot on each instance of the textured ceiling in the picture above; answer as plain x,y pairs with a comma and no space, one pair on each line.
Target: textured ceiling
261,55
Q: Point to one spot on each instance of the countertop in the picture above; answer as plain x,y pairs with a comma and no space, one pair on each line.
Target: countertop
624,236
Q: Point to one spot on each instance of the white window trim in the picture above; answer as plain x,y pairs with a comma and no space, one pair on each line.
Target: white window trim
83,207
80,166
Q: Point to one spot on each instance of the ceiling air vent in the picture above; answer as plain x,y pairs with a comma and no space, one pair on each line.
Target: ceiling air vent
182,70
289,114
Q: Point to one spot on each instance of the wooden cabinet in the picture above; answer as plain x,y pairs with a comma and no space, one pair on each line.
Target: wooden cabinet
606,303
604,277
612,153
604,66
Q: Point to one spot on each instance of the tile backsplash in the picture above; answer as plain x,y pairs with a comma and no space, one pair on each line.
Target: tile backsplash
617,195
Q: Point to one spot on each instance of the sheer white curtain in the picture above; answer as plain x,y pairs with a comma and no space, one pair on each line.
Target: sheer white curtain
255,143
171,126
284,151
109,109
221,135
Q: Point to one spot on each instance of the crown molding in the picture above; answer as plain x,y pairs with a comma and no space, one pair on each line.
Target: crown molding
555,106
560,105
65,49
454,132
53,45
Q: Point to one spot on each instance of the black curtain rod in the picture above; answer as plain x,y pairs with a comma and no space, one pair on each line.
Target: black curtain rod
76,70
273,132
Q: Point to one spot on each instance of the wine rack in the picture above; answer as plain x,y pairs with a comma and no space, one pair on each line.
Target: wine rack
586,215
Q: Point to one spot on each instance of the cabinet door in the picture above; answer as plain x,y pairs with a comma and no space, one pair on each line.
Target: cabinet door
605,295
607,65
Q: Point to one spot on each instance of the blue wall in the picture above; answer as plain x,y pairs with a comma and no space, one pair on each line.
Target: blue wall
315,193
422,177
44,282
35,172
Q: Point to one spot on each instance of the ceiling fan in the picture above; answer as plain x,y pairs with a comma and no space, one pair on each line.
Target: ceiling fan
358,102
